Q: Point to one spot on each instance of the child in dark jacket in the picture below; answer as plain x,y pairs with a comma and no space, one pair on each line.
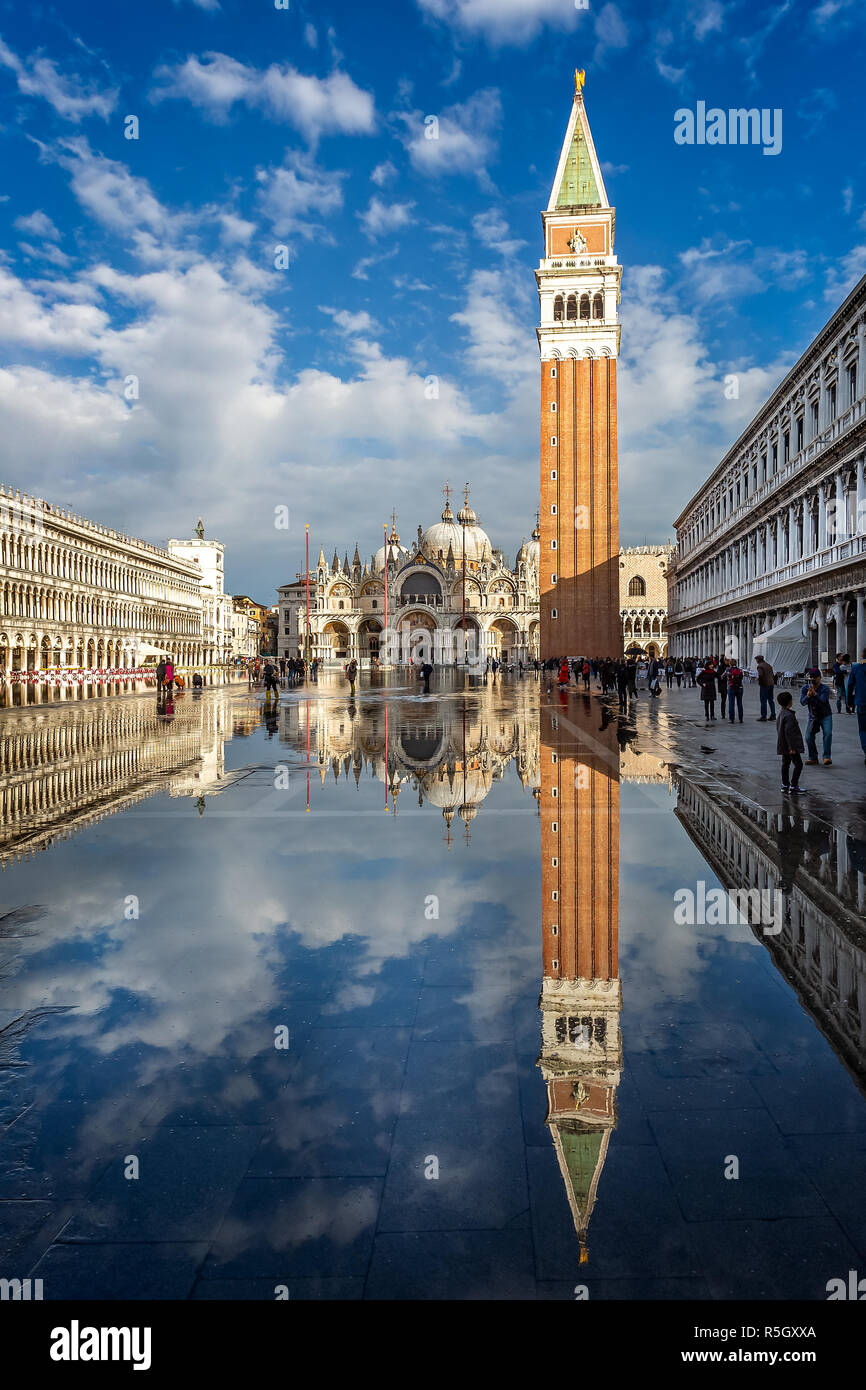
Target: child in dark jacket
789,744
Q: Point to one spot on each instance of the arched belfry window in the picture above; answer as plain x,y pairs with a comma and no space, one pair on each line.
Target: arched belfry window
558,309
636,586
584,306
598,306
571,308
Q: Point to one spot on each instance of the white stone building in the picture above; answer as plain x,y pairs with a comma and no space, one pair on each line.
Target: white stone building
76,594
217,625
428,587
771,552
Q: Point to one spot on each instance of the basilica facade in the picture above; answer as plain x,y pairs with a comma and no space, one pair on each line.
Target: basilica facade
450,580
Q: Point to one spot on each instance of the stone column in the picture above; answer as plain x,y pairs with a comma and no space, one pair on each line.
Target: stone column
860,526
822,518
861,625
840,529
822,631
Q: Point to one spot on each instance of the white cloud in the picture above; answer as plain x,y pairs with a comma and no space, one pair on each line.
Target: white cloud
462,140
314,105
311,38
45,252
492,229
383,173
234,228
295,195
381,217
70,97
38,223
503,21
611,31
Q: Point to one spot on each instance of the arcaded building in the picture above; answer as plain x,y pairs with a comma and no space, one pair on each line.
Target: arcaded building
643,598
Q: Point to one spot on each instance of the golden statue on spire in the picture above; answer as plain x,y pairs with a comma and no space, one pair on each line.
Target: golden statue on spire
579,80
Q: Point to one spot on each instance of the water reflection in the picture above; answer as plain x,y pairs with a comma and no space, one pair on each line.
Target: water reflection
581,996
362,877
819,873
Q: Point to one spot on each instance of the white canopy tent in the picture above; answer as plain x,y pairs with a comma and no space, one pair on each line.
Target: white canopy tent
784,646
144,651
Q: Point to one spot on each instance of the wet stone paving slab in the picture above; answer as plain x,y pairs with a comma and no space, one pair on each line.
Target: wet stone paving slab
496,993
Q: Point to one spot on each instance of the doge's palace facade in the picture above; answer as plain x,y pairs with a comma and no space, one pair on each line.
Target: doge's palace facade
76,594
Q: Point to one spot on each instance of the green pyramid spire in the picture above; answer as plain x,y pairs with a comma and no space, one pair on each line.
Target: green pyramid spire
581,1152
578,187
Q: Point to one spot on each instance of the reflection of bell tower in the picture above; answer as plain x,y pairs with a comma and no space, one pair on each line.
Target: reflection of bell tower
581,999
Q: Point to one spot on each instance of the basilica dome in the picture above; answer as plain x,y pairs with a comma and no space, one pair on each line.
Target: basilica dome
449,532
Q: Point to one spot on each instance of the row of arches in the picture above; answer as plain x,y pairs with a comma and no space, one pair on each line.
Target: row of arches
82,567
92,610
573,308
20,652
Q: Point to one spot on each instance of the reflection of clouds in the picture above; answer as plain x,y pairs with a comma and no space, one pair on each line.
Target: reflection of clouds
662,962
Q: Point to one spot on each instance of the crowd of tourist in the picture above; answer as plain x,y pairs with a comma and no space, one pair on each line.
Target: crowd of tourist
721,681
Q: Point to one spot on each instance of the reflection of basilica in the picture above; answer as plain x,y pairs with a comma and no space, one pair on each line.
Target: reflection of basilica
821,873
59,774
581,998
449,753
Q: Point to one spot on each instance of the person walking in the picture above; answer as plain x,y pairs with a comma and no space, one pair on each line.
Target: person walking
564,672
270,680
197,681
766,685
631,675
815,695
678,672
169,673
352,676
735,692
707,683
160,675
857,696
622,683
789,744
840,681
424,674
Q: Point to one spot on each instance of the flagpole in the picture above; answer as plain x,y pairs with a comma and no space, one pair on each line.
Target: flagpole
307,577
385,529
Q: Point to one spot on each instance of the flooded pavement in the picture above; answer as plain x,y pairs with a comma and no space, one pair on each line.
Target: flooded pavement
487,994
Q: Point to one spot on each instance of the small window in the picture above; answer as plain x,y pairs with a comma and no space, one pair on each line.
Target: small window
554,930
553,545
554,863
553,441
555,827
555,965
553,579
555,895
553,613
375,603
553,406
553,509
554,793
553,371
553,475
554,758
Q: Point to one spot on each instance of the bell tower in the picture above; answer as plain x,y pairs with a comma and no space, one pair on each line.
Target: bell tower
578,337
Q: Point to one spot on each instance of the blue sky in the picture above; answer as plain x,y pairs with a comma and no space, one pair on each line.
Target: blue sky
409,258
